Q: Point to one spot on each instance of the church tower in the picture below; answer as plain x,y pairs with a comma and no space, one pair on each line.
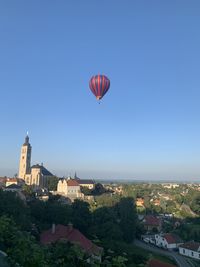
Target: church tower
25,159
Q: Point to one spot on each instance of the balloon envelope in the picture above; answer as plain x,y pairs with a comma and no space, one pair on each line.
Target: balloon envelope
99,85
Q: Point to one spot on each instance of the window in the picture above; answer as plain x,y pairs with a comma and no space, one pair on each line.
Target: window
183,251
192,253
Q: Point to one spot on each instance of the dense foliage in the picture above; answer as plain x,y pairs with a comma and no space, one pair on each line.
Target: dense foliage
108,226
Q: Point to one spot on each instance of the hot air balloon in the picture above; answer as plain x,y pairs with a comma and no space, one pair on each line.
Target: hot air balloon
99,85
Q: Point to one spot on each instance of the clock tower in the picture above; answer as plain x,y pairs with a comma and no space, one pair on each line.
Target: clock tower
25,159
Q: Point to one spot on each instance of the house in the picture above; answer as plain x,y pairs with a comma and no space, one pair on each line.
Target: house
69,234
158,263
139,202
16,181
86,183
118,190
156,202
152,223
190,249
3,180
165,196
17,189
170,186
168,241
69,188
148,239
13,188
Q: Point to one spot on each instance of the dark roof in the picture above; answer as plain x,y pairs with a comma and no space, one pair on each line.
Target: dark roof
80,181
71,235
44,171
172,238
157,263
26,141
195,246
13,186
152,220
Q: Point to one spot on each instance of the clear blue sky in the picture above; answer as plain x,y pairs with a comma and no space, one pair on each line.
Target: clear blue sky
148,124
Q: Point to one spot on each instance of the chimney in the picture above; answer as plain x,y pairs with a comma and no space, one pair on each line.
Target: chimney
53,228
70,226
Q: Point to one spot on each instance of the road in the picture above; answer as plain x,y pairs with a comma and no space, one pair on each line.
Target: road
180,260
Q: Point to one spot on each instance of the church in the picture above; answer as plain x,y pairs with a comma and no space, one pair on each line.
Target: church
36,175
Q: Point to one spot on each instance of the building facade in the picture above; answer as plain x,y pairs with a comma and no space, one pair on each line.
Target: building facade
168,241
190,249
69,188
37,175
25,159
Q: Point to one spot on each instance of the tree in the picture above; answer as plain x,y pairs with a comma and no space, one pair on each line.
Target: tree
195,205
127,218
81,216
98,190
52,183
119,261
62,254
11,205
20,247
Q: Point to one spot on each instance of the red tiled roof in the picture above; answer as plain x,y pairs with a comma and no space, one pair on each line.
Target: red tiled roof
195,246
157,263
14,180
172,238
72,182
152,220
71,235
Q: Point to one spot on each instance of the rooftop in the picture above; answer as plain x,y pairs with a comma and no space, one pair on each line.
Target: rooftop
195,246
152,220
70,234
14,186
172,238
44,171
72,182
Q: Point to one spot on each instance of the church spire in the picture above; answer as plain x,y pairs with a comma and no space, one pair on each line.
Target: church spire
25,159
26,139
75,176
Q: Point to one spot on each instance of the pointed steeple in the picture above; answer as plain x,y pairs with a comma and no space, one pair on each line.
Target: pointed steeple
75,176
26,140
25,159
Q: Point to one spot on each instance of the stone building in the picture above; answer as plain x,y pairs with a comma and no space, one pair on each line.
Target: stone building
36,175
69,188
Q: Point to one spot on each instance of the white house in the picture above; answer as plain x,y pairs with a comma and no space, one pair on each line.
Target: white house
168,241
148,239
190,249
69,188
